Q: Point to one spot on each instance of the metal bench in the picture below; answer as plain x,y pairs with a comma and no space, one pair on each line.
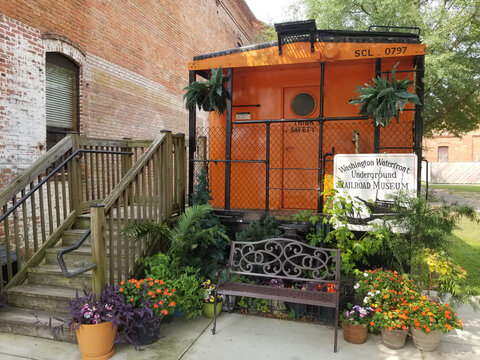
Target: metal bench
286,259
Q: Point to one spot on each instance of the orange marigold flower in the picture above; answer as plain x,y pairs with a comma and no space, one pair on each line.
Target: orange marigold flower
121,289
424,298
161,282
159,291
131,299
149,293
150,283
122,282
385,296
165,292
390,328
404,327
427,330
372,323
155,306
156,281
173,303
170,294
446,305
160,302
173,290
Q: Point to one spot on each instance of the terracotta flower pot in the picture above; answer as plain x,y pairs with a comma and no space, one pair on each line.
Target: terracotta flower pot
96,341
426,342
394,339
208,309
355,334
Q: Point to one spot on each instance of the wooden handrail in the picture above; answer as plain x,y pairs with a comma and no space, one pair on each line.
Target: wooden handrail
130,175
34,170
153,189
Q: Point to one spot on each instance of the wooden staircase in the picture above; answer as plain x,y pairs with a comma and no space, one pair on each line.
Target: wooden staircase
37,293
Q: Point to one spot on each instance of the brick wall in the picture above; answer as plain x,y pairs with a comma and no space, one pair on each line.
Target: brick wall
133,64
22,97
465,148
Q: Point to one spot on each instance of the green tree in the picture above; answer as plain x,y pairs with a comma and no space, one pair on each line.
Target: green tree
451,30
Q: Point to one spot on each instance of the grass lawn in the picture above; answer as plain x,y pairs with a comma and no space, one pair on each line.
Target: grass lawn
465,249
459,187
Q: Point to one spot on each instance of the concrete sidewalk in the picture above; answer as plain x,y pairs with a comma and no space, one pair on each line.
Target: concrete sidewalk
241,337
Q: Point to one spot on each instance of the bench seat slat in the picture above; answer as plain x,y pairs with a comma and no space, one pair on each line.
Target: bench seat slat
319,298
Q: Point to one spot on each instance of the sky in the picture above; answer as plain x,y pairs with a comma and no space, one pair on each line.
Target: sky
270,11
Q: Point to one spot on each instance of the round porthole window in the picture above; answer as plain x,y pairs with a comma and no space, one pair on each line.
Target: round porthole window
303,104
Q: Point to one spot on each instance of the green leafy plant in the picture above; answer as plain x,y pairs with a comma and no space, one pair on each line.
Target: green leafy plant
263,305
355,247
207,95
185,280
385,99
191,238
422,226
437,271
259,230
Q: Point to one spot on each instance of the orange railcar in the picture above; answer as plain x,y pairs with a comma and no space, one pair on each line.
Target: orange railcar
289,113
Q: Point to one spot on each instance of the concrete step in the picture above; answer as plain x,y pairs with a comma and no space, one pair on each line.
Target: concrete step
51,275
31,322
41,297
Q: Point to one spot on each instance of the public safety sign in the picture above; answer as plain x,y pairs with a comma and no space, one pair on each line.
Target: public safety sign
371,179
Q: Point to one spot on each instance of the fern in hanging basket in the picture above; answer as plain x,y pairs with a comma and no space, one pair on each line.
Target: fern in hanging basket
385,99
208,95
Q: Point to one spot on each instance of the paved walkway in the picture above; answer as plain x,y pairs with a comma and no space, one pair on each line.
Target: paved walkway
242,337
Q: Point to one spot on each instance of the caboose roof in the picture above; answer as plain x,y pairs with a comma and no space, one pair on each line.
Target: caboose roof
329,45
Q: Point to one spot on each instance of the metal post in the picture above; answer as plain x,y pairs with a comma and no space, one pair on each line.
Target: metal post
228,139
320,139
267,168
376,128
192,124
419,82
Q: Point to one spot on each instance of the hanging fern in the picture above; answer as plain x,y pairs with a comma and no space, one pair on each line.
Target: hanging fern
207,95
385,100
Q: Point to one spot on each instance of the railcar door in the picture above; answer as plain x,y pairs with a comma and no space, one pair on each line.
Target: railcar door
300,147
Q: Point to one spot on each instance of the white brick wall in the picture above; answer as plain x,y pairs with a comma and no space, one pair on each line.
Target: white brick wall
22,97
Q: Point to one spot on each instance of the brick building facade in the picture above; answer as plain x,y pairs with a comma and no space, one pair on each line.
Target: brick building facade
449,148
131,59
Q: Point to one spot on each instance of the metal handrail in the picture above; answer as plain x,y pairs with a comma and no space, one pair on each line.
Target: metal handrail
54,171
62,264
416,28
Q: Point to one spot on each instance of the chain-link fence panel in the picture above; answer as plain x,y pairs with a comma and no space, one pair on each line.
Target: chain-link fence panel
285,165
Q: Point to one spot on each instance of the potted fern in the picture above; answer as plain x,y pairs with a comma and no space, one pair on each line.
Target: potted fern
208,95
385,99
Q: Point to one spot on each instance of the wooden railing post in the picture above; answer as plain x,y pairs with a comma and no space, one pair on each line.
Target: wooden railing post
75,186
169,174
99,252
127,160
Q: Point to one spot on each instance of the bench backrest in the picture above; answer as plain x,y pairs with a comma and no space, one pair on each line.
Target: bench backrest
285,259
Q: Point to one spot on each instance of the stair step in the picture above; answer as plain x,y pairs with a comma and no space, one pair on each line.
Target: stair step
70,237
23,321
78,258
40,297
51,275
82,221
